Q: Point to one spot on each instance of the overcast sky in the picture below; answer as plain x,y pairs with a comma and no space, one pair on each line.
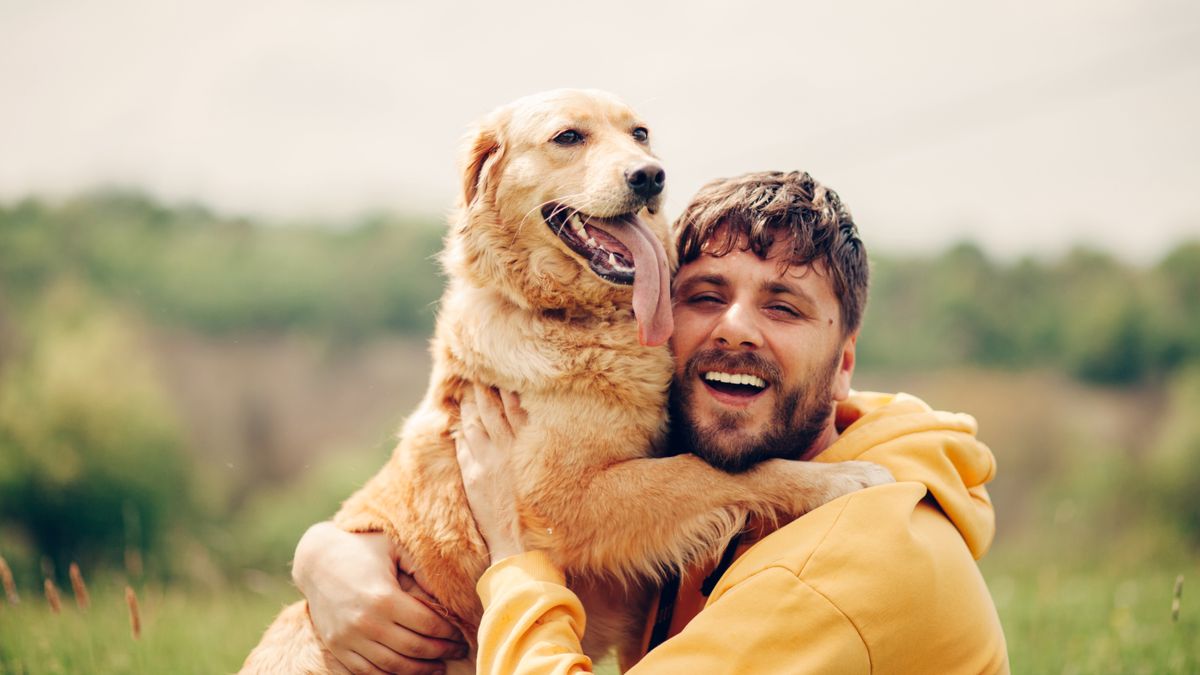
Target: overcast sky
1025,126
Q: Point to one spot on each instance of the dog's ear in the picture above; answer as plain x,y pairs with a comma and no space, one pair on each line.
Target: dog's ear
481,150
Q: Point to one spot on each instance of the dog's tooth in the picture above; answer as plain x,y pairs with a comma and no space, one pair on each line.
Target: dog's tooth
577,226
612,259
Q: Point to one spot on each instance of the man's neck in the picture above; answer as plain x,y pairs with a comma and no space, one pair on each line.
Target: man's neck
826,439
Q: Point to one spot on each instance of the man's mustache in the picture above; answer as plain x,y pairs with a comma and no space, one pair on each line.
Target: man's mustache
742,362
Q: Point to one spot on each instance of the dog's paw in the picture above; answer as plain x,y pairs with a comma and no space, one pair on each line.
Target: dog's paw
867,474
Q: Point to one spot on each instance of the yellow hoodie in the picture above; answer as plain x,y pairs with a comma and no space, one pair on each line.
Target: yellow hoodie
879,581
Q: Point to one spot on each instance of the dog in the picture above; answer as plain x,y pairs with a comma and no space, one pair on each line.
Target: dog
559,264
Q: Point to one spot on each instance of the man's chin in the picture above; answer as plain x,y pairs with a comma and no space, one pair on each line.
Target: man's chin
731,451
729,462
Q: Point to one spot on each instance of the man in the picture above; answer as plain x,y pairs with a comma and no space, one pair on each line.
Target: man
772,285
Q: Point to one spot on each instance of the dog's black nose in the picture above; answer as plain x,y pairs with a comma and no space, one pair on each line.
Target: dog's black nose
646,180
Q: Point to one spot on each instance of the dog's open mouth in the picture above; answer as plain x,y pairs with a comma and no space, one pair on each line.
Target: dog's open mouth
622,250
589,236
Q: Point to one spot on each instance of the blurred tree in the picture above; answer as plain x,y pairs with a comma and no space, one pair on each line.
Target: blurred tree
1105,320
86,435
1176,294
1175,457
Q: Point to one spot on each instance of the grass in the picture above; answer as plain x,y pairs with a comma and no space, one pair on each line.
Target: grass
1057,620
182,631
1098,620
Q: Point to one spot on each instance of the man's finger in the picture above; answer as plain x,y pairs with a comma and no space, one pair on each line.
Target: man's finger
418,618
512,410
491,411
356,664
472,446
388,661
405,642
335,665
410,583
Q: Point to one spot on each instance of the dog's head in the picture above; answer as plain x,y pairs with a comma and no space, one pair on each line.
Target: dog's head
560,209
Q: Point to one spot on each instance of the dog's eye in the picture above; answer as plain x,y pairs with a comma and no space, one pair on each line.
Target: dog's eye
641,134
569,137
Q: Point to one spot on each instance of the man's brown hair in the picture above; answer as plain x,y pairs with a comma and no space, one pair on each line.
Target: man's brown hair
756,209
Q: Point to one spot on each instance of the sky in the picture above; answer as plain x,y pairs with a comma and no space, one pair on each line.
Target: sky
1026,127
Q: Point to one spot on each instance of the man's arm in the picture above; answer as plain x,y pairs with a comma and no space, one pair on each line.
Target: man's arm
363,612
532,623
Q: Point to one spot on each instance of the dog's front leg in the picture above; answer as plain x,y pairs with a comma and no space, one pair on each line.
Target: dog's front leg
641,517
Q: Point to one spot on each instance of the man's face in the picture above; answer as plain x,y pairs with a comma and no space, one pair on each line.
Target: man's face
760,358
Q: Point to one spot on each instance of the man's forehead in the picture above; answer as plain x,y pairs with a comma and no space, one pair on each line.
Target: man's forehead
740,264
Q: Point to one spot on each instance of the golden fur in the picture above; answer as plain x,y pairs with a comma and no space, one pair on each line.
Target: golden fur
524,312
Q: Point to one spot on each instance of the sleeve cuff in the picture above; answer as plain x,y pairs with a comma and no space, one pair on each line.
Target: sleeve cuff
528,566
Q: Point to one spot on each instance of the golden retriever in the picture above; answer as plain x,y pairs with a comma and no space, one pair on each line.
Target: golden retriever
559,262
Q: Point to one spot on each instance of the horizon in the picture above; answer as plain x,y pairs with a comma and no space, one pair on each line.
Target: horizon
369,216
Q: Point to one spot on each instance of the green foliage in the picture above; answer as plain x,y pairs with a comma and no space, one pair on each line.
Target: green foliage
1087,314
89,451
1175,458
190,268
263,534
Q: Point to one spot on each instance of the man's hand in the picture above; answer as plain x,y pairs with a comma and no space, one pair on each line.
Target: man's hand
366,614
491,421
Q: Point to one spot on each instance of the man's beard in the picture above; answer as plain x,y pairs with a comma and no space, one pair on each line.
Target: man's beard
799,417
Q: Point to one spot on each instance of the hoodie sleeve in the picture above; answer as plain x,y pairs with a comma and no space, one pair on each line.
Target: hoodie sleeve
532,623
769,623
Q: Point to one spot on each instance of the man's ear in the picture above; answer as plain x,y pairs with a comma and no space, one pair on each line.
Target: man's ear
481,149
845,368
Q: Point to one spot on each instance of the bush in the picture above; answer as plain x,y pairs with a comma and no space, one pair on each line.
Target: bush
1175,458
90,456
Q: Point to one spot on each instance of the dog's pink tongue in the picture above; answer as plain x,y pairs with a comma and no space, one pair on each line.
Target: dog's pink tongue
651,281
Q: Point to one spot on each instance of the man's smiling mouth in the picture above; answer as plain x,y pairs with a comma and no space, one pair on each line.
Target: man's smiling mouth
742,387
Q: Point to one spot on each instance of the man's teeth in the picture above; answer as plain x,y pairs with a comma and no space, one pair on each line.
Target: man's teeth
736,378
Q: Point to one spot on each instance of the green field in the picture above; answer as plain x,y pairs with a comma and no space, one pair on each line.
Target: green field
182,632
1057,620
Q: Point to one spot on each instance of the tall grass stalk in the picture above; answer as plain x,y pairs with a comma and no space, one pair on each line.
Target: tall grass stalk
82,599
1176,599
135,617
10,587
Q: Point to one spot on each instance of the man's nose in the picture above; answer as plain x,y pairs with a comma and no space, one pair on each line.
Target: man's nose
737,329
646,180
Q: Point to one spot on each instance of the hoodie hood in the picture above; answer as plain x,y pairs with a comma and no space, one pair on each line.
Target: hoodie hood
918,444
